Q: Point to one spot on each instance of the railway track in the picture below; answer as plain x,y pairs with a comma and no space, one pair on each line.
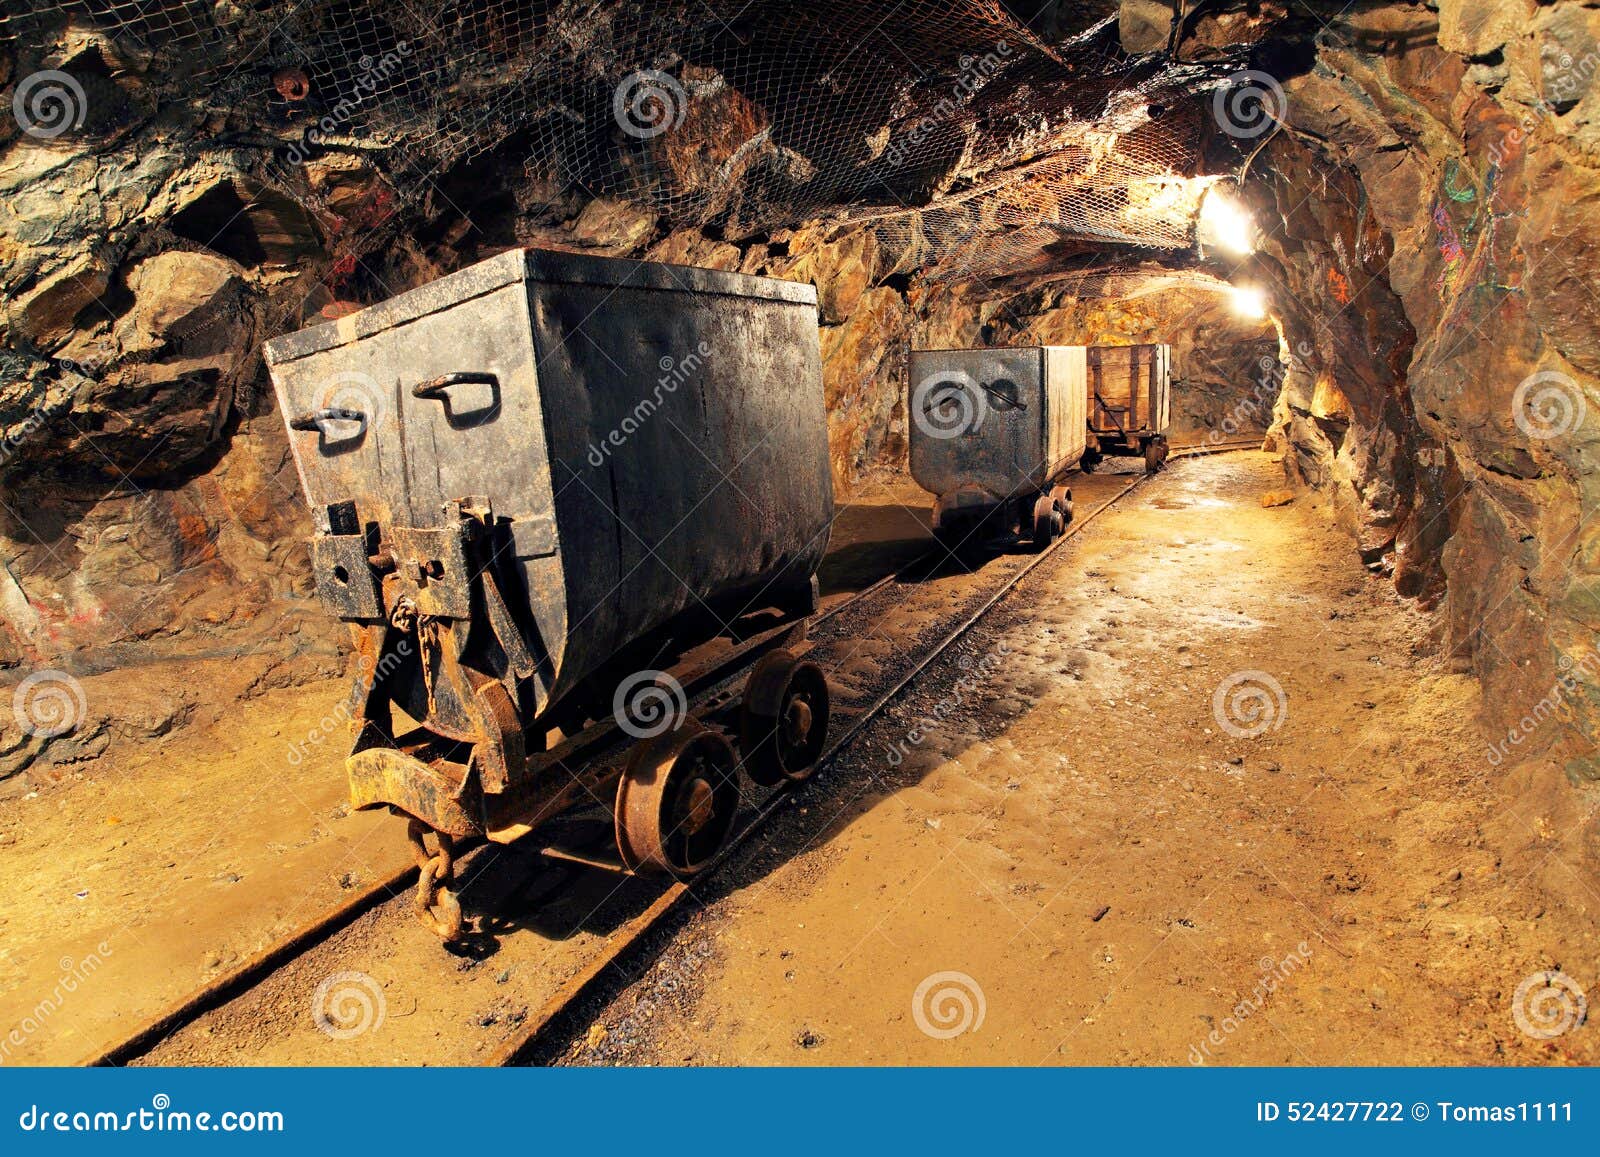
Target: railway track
582,983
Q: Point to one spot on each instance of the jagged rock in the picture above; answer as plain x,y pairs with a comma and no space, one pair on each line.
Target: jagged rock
1479,27
612,226
48,312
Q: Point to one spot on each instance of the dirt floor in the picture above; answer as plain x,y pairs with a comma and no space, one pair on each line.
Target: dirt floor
1053,845
1081,864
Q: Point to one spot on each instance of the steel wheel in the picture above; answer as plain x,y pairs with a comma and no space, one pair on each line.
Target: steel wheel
1046,521
784,723
1063,496
677,801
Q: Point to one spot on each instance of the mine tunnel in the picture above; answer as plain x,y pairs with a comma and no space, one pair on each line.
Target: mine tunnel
949,532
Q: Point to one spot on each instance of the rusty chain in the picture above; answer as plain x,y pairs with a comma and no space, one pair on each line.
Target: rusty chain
437,905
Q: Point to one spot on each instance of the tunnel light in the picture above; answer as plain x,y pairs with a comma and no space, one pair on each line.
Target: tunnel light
1225,224
1248,301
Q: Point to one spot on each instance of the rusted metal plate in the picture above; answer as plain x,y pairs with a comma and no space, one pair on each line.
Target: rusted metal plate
382,776
431,566
345,580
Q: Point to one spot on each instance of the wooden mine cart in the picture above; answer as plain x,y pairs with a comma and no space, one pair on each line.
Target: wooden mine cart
1129,402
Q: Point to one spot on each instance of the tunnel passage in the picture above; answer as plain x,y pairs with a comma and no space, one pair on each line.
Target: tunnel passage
1418,181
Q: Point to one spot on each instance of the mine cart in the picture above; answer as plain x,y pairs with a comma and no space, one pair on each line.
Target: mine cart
557,496
1130,402
993,434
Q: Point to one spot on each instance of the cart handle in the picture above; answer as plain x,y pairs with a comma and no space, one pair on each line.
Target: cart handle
314,419
435,387
1002,400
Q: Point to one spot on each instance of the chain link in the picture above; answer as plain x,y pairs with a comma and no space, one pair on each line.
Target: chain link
436,902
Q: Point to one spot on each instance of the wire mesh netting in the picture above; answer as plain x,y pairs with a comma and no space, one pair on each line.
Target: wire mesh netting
968,144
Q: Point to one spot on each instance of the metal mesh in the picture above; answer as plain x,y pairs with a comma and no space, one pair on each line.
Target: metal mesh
966,143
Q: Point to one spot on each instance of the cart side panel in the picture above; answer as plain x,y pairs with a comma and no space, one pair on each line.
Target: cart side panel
1067,373
982,422
479,437
1161,390
689,444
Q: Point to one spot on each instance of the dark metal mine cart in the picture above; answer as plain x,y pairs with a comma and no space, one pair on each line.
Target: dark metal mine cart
1130,402
536,481
993,434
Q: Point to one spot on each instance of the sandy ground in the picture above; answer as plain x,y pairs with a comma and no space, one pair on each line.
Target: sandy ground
1080,864
1111,872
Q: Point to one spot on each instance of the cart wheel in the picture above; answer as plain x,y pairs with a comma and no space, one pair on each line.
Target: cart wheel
1154,456
677,801
1063,496
1046,521
784,721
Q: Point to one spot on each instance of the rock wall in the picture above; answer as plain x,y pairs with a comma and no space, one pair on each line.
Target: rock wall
1433,197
